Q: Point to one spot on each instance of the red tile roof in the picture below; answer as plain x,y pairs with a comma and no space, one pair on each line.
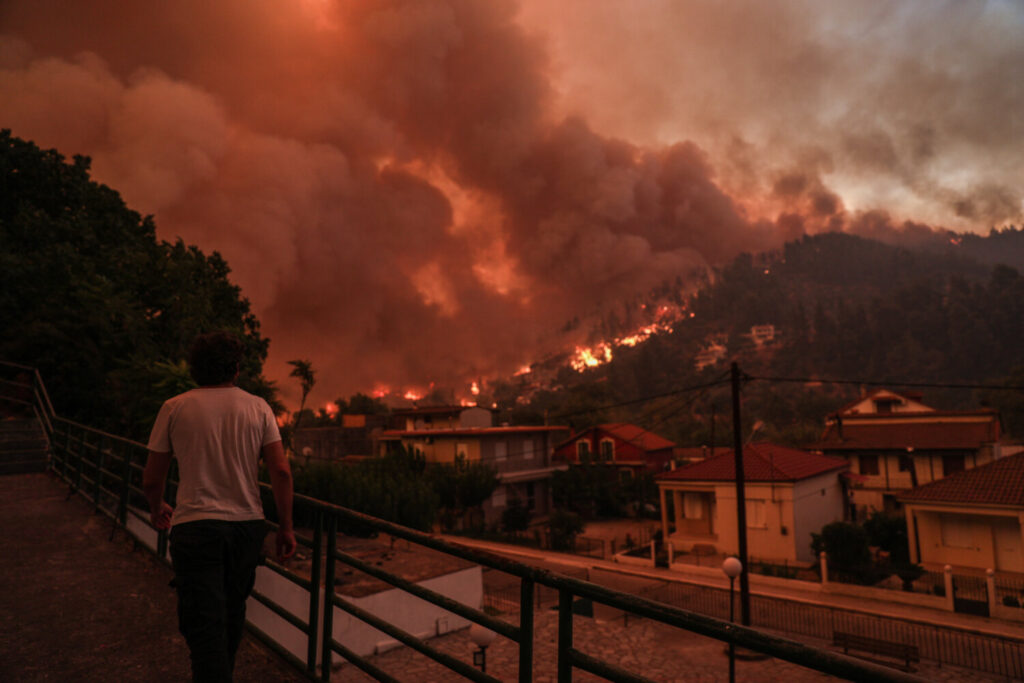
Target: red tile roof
649,441
939,430
638,436
997,483
761,462
473,431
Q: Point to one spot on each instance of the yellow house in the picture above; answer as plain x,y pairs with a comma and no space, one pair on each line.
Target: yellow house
522,457
789,495
970,519
895,443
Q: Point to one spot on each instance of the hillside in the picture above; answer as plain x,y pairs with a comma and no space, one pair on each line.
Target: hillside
839,307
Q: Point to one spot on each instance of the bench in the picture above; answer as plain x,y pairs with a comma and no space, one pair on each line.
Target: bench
901,652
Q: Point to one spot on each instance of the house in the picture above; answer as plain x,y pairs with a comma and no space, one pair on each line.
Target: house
789,495
441,417
629,448
353,439
972,518
894,443
522,456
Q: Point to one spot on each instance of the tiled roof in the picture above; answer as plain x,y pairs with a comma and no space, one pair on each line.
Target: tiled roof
638,436
900,431
649,441
761,462
998,483
473,431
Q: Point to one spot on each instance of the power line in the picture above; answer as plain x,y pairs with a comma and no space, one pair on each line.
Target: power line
722,380
876,383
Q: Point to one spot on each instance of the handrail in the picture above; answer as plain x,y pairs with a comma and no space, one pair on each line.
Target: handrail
76,459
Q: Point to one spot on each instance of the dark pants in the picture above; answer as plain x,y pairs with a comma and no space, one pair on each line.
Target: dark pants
214,571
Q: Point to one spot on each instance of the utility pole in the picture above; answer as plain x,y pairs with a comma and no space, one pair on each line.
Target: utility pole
741,500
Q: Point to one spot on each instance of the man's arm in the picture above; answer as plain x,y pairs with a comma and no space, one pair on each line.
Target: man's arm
154,480
281,482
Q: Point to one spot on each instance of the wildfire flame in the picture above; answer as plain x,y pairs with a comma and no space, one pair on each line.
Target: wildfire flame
331,409
475,389
412,395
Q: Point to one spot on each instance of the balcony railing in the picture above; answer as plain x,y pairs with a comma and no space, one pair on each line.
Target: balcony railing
106,469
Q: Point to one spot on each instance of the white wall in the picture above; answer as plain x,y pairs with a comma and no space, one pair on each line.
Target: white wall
817,501
407,612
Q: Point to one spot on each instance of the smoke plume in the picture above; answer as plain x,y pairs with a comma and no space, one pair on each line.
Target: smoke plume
415,191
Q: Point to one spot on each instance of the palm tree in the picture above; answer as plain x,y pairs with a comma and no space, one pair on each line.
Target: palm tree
303,370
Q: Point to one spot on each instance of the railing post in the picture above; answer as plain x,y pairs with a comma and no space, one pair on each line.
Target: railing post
526,587
564,636
326,652
80,456
97,488
314,591
121,516
67,452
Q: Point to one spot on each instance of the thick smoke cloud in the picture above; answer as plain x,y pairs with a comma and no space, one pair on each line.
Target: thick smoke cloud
418,191
909,106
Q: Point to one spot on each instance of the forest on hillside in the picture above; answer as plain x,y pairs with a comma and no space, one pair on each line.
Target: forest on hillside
842,307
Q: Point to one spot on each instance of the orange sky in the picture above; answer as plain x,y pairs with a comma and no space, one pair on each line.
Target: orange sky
421,191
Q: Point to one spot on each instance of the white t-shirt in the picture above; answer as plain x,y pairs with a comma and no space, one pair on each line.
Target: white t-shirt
216,434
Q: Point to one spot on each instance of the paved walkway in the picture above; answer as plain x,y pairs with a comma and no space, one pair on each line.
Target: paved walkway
75,606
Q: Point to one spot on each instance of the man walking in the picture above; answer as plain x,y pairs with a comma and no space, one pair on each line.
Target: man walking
217,433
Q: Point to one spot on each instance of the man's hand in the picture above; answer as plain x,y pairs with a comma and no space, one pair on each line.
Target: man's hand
285,544
161,518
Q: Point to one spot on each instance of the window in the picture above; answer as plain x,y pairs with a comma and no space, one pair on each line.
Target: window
531,500
532,446
500,450
756,516
693,506
462,450
952,463
607,450
906,463
583,450
869,464
885,405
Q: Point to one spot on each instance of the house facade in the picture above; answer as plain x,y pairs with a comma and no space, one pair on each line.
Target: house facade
895,443
970,519
441,417
627,447
522,456
789,494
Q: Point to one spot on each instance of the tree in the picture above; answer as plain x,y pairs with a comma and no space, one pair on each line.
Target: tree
846,546
515,517
462,487
303,370
90,297
564,526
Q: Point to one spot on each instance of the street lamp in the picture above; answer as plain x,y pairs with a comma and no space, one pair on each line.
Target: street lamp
732,568
481,637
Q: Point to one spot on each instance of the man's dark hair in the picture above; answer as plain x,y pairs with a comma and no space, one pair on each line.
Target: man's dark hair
214,358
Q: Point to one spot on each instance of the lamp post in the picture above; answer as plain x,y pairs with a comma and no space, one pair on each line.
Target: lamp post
732,568
481,637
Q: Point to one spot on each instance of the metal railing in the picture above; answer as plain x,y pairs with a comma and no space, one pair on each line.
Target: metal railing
106,469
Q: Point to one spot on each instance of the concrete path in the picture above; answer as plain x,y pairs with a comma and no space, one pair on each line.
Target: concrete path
75,606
